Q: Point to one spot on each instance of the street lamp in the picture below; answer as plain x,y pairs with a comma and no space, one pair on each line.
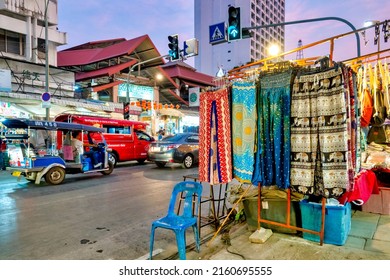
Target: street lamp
274,50
245,29
368,23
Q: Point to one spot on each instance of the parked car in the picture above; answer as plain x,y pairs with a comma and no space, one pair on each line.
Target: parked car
179,148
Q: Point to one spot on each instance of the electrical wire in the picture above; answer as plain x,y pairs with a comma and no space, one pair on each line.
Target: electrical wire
235,253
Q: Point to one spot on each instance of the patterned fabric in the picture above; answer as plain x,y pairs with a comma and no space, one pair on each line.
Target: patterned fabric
319,134
244,127
215,157
272,159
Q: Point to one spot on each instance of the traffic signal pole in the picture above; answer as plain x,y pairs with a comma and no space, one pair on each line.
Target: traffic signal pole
47,58
312,20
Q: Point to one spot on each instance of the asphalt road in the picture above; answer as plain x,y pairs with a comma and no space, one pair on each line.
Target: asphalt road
88,216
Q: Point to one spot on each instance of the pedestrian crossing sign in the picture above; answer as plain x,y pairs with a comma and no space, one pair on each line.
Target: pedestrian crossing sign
217,33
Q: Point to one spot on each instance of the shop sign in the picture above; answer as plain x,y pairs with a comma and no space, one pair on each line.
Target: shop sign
193,96
148,105
136,91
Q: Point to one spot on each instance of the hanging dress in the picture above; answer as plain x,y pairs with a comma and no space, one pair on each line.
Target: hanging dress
319,134
272,158
215,158
244,118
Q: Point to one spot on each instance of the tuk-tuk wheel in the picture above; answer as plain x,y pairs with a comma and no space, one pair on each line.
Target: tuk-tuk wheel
55,175
110,168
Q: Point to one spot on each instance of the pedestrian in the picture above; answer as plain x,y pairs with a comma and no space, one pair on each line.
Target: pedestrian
160,134
2,150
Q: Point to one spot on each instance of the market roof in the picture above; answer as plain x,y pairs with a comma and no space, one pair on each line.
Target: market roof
139,49
100,64
187,73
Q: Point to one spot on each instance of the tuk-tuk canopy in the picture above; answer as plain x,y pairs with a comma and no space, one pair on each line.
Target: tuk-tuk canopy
47,125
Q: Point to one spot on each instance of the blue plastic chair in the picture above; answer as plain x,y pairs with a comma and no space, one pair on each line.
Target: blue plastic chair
191,193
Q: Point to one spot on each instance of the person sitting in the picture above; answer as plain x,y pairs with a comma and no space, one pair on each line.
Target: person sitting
78,149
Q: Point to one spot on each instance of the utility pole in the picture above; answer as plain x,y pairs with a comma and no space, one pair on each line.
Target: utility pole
47,59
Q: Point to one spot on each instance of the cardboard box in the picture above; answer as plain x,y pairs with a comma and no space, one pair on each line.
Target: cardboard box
378,203
337,221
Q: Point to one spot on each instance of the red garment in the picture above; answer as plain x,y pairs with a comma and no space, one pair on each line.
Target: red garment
365,184
367,109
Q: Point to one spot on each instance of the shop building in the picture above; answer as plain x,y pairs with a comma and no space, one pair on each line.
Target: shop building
23,68
98,78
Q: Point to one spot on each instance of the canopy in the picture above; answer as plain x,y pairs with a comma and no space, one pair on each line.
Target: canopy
47,125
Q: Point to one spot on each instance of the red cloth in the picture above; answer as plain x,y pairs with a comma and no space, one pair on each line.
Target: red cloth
367,109
365,184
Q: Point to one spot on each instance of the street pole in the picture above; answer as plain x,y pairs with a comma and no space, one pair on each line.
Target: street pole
47,59
311,20
131,69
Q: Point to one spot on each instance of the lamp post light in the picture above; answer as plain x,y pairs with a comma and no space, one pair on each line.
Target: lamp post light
368,23
273,49
311,20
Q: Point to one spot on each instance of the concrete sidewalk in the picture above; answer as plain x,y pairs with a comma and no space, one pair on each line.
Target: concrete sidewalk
369,239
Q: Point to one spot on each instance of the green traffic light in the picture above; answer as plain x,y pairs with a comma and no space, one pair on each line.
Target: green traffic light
173,47
234,24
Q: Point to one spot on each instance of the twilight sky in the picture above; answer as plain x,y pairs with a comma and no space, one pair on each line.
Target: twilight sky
92,20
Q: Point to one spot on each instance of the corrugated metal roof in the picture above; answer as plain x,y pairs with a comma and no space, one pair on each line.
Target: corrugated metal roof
141,47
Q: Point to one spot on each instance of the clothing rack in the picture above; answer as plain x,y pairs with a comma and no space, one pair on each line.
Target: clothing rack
354,63
263,65
329,40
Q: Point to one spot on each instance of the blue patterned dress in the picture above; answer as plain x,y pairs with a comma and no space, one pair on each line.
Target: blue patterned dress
272,159
244,118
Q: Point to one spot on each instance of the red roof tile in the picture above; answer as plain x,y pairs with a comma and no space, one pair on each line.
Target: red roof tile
88,56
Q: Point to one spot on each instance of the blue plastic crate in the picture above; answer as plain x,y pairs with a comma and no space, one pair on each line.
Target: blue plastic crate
337,221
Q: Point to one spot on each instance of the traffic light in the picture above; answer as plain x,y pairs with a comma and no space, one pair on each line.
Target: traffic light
174,47
234,24
126,110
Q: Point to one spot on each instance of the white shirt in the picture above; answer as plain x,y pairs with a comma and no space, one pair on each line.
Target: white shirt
77,146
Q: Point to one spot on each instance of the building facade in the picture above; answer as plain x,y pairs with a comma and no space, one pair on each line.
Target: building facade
225,56
23,59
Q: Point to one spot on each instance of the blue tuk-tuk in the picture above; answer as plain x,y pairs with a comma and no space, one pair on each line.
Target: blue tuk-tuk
37,148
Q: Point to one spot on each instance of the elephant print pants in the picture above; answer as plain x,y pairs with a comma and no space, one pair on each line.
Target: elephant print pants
319,134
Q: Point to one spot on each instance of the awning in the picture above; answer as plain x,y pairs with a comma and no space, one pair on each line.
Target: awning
170,112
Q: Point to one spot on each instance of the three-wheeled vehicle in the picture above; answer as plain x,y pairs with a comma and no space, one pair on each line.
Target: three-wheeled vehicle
39,149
